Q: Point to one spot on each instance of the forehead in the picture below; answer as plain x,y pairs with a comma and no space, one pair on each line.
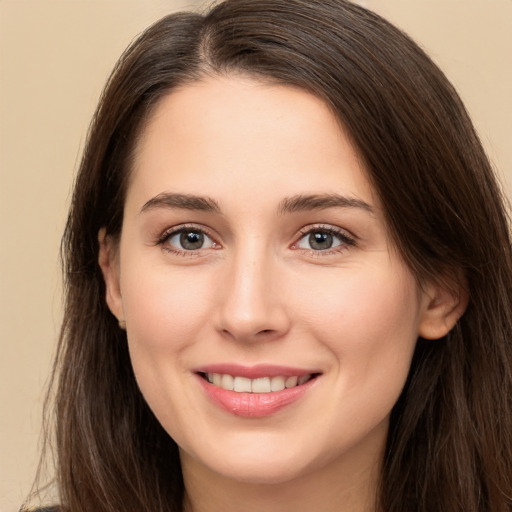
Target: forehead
237,134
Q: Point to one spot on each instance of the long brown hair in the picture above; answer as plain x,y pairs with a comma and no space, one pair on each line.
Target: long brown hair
450,439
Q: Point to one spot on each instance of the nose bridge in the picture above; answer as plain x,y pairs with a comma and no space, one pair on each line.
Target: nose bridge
251,306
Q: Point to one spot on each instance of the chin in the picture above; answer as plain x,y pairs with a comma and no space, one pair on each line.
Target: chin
261,472
265,462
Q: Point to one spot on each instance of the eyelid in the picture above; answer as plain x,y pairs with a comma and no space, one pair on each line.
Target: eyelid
347,239
174,230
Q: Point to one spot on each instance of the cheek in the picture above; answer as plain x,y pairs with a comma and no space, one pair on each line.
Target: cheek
166,310
368,323
166,317
383,297
369,320
164,301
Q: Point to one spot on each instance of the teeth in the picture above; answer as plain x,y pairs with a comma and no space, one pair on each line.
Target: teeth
291,382
227,382
303,379
217,379
242,384
260,385
277,384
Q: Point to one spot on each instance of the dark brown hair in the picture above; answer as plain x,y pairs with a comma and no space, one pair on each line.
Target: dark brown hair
450,439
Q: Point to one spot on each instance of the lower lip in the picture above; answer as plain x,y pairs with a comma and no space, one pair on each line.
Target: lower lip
254,405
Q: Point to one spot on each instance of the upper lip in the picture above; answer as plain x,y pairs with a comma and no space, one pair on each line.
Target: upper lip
255,371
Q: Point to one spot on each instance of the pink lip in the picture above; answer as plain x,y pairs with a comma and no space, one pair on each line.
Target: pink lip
253,405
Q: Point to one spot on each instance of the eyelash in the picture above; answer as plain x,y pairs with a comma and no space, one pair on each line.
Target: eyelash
170,233
345,240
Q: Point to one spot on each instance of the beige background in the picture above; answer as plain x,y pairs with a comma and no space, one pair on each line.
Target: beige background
54,58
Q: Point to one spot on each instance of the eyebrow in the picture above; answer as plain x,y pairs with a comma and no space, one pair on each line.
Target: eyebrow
321,202
181,201
292,204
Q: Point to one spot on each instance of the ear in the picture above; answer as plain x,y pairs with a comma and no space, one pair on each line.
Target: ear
109,263
445,303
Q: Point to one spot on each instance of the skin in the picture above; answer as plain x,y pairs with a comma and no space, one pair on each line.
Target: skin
258,292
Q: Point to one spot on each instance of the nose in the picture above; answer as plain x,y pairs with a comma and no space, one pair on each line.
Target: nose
252,305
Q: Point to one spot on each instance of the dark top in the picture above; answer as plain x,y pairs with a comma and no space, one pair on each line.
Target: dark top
44,509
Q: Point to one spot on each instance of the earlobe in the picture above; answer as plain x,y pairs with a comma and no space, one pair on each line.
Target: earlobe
109,264
444,305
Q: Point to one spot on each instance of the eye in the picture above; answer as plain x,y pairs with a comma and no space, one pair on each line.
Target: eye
187,239
323,239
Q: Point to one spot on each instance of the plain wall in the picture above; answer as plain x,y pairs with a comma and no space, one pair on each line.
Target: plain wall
54,59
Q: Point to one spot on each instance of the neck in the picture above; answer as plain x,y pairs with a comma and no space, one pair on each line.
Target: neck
347,484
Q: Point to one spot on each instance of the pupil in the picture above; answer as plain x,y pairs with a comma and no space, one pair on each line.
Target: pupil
320,240
191,240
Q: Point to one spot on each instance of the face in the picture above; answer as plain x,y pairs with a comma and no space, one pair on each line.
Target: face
270,321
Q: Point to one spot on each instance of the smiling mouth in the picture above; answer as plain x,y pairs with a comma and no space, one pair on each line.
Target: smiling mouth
259,385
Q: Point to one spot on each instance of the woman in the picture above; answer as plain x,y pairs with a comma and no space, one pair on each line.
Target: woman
288,277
